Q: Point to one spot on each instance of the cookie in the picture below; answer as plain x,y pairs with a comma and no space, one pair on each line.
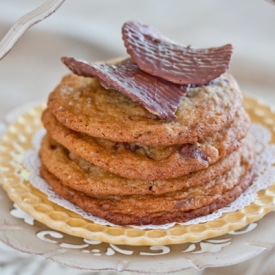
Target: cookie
179,206
85,177
138,161
161,98
83,105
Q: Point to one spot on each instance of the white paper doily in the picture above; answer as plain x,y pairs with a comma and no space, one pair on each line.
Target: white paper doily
265,159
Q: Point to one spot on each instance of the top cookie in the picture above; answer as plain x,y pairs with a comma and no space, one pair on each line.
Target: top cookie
82,104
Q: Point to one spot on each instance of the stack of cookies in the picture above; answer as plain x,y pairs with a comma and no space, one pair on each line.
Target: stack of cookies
123,162
113,158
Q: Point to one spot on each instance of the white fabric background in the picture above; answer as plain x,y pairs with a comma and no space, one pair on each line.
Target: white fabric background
92,30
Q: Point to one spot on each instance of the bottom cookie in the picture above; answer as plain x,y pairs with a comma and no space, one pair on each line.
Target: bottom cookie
173,207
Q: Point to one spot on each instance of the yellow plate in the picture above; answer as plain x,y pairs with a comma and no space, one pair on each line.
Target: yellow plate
13,179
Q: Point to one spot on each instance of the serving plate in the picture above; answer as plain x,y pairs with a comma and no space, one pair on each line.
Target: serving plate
31,223
14,179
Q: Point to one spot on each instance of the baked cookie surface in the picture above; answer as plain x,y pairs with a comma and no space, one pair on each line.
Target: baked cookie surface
179,206
83,105
85,177
138,161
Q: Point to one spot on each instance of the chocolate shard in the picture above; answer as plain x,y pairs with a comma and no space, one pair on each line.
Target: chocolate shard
159,56
157,95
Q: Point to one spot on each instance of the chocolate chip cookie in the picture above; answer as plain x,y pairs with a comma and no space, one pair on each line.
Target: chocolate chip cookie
145,162
179,206
83,105
85,177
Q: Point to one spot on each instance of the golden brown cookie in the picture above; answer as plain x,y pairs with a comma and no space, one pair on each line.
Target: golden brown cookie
179,206
137,161
88,178
82,104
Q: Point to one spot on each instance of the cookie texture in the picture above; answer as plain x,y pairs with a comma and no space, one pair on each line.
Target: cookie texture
137,161
113,158
127,78
85,177
179,206
83,105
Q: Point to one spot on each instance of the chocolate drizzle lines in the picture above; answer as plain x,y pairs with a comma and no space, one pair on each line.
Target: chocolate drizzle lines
157,95
159,56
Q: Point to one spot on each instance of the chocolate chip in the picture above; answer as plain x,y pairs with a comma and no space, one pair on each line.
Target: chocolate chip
151,184
53,147
159,56
115,146
189,150
135,148
158,96
126,146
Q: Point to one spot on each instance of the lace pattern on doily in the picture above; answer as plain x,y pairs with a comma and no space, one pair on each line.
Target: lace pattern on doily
265,159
